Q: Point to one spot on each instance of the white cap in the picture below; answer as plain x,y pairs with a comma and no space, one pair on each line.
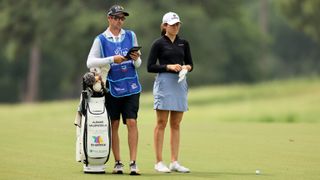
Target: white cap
171,18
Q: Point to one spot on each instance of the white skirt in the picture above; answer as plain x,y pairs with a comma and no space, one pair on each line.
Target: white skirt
169,94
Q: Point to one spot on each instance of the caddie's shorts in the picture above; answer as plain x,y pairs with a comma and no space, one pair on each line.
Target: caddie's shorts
127,106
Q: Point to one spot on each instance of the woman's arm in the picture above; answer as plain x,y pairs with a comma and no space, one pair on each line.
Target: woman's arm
152,65
188,58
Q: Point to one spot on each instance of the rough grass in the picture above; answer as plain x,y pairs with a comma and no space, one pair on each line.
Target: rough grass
229,132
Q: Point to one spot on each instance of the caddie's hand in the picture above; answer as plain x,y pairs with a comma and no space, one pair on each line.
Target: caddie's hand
174,67
118,59
135,55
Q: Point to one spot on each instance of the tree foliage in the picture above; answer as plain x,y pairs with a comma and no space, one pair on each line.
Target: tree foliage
226,41
296,50
304,15
55,28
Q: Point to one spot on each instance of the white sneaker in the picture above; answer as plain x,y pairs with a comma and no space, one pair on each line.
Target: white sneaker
134,169
118,168
175,166
161,167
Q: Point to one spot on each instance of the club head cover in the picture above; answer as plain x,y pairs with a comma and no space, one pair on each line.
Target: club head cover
89,78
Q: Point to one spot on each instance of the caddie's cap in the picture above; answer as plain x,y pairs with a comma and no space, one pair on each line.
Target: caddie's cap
171,18
117,9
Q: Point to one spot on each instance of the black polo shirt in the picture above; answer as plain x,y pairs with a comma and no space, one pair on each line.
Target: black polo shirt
167,52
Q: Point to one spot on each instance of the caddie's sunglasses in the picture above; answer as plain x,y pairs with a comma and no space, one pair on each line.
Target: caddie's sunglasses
115,17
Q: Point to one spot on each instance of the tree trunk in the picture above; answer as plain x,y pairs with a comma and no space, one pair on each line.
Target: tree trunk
264,16
33,74
263,23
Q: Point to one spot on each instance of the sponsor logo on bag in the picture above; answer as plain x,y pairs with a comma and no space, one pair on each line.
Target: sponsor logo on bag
97,139
98,151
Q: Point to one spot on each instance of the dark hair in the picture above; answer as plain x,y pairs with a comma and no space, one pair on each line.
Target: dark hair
163,30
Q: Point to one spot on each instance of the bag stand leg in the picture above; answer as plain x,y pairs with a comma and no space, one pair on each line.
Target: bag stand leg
94,168
77,123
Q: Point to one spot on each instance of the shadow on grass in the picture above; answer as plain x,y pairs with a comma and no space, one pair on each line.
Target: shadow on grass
199,174
174,175
289,118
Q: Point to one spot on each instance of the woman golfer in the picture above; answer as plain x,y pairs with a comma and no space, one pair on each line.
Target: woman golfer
170,58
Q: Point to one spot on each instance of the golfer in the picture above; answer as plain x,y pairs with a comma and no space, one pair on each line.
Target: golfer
170,58
108,52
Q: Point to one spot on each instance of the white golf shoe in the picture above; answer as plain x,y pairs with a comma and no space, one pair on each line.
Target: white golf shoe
118,168
161,167
134,171
175,166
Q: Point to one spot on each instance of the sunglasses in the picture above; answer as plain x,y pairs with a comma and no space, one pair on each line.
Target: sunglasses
122,18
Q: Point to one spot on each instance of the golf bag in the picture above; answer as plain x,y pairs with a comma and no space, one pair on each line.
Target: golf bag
93,126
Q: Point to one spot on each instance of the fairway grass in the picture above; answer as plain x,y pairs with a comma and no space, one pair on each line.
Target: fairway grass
229,133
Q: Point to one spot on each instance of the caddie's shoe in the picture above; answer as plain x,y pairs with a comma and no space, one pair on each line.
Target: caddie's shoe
118,168
134,171
161,167
175,166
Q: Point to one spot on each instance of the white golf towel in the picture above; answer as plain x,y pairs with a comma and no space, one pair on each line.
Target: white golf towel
182,75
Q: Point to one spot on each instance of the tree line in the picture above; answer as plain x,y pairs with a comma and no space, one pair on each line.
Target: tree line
44,44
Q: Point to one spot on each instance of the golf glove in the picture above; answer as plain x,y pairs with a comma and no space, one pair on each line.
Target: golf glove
182,75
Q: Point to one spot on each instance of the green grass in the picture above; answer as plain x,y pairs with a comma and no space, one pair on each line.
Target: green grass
229,132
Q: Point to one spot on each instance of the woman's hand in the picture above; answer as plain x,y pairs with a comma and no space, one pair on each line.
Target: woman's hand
174,67
187,67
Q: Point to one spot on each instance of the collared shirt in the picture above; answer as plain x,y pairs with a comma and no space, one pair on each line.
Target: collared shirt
94,58
168,52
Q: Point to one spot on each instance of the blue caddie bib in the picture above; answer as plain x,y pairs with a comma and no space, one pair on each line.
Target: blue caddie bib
123,78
